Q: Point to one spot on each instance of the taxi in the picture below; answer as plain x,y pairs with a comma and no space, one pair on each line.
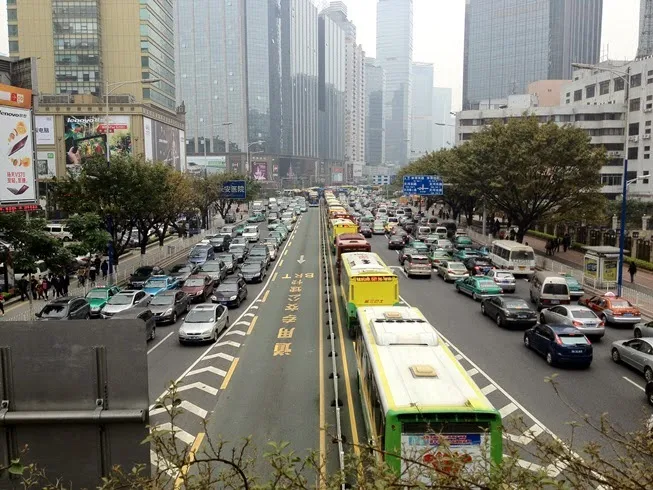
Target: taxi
98,297
612,309
478,287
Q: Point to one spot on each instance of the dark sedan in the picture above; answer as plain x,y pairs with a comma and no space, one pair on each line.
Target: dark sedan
220,243
260,252
253,270
140,276
66,308
140,313
366,231
508,311
478,266
199,287
216,269
183,271
239,251
229,260
396,242
231,293
169,305
559,344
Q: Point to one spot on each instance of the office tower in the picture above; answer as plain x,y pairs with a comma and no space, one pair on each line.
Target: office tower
394,53
374,113
443,121
645,47
510,43
212,75
421,139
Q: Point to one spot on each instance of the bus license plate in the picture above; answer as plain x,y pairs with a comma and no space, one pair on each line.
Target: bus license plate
555,301
522,267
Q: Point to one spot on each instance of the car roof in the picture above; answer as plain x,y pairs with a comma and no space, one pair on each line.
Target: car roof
576,307
206,306
129,292
198,276
130,312
557,328
63,301
231,280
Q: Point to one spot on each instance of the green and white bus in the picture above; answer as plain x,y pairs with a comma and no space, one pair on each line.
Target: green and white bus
416,395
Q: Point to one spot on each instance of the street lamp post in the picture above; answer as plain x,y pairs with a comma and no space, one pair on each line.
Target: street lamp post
247,163
625,76
109,88
227,143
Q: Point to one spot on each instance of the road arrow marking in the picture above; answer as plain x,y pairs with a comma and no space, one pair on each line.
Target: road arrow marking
209,369
221,355
180,434
227,342
186,405
236,332
163,464
301,259
200,386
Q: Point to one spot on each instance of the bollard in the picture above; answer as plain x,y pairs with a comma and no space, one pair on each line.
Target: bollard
333,353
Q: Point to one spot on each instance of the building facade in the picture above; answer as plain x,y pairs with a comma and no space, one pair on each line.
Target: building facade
443,121
547,91
374,113
394,52
510,43
645,46
421,139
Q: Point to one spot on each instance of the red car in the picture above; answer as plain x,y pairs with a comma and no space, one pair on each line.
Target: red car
199,287
612,309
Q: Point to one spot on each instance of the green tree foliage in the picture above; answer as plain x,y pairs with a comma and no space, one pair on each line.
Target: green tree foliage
89,232
208,195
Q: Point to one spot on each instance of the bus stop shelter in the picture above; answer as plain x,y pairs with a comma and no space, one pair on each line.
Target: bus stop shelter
600,266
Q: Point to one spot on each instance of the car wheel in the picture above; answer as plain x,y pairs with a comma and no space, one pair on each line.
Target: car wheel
615,355
474,297
87,316
542,321
648,374
604,319
238,303
216,334
549,359
527,341
499,320
637,333
174,317
483,309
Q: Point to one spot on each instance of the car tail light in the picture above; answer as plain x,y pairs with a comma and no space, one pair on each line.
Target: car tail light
558,340
576,323
617,313
602,324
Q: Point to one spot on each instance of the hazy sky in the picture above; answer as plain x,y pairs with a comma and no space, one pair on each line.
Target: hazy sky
438,34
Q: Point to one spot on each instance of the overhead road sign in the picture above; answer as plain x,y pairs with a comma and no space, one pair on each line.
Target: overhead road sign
234,189
422,185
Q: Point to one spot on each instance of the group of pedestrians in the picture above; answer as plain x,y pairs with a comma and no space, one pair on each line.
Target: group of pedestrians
42,286
553,245
91,272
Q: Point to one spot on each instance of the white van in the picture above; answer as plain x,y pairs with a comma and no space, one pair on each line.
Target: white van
59,230
548,289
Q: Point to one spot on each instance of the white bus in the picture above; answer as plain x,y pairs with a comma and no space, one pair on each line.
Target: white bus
513,256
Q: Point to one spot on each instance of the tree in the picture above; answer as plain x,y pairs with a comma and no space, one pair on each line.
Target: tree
529,171
88,230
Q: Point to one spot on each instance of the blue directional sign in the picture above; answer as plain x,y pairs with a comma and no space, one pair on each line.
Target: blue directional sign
422,185
233,189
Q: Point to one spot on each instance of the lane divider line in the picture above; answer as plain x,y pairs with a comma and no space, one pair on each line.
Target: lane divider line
160,342
230,373
274,277
190,459
634,384
280,263
265,296
251,325
320,363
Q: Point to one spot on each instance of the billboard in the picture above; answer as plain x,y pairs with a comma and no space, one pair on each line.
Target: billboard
260,170
163,143
44,130
17,174
337,175
357,169
11,96
86,136
213,164
46,164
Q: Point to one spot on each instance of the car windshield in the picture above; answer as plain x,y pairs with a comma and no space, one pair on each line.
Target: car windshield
583,314
251,267
143,271
211,267
571,281
517,304
194,282
459,267
198,253
420,260
237,248
555,289
97,294
521,255
226,230
250,230
179,268
162,300
157,283
225,258
121,299
200,316
620,304
485,282
54,311
573,339
227,287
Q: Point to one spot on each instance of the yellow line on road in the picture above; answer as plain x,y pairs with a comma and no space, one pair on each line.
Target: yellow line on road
285,252
320,363
290,243
274,278
265,296
280,262
251,325
345,367
230,373
189,460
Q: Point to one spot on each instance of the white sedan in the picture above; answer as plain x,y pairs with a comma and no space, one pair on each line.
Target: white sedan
204,324
251,233
643,330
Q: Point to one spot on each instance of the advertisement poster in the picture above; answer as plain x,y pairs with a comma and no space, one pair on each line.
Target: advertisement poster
591,267
46,167
275,170
86,136
464,449
148,137
337,175
182,150
17,181
44,130
357,170
15,97
165,144
260,170
610,270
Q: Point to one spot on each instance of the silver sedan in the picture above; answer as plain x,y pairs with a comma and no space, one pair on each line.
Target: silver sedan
643,330
637,353
577,316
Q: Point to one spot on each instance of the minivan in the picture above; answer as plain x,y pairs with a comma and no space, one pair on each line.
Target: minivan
548,289
59,230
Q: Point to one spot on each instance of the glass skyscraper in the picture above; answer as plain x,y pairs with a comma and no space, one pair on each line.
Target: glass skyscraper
421,140
510,43
394,52
374,113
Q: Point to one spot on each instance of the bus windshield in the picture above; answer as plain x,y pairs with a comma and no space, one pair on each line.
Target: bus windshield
522,255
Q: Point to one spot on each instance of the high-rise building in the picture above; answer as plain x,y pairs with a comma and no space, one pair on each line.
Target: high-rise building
645,47
394,52
354,91
421,139
374,113
443,134
92,52
510,43
331,91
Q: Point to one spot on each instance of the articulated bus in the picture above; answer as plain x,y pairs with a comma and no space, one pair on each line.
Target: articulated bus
513,256
415,395
366,281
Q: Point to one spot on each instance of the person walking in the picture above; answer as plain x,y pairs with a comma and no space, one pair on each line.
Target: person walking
558,243
54,281
23,285
97,263
92,272
45,285
2,304
632,270
65,283
104,267
566,241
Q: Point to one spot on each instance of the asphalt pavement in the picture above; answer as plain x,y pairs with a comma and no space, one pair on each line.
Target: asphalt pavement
514,377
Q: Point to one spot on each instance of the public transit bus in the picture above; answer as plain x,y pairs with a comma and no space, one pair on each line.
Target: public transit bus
513,256
365,281
415,395
338,212
338,227
350,242
313,199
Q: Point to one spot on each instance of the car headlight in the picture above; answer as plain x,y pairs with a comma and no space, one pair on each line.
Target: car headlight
95,308
198,293
232,298
168,311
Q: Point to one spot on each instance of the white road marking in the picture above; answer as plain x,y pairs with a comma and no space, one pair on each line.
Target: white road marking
228,342
242,323
160,342
180,434
526,437
472,371
163,464
208,369
186,405
251,315
221,355
488,389
254,307
552,471
236,332
507,410
200,386
458,357
634,384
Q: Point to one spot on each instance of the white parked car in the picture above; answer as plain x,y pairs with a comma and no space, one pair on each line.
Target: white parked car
273,250
204,324
504,279
251,233
643,330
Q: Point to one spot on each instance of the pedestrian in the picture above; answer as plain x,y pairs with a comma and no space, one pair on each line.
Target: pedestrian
39,288
23,284
2,304
104,268
33,286
97,263
45,285
513,234
65,284
632,269
81,277
557,243
54,281
92,272
566,241
547,247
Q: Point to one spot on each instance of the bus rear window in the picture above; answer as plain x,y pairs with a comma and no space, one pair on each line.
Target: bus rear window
550,288
522,255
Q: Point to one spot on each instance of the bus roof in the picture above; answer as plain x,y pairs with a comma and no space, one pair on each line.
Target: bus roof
342,221
364,263
414,370
511,245
351,237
